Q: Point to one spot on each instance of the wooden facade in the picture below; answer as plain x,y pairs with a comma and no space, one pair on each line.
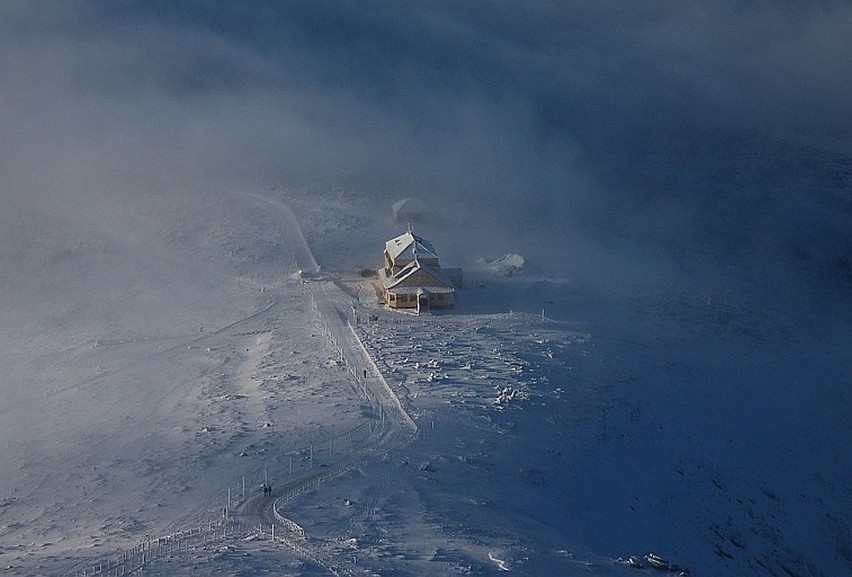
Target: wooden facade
412,277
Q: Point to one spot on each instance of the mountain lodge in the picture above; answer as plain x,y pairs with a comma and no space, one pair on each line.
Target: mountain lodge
412,277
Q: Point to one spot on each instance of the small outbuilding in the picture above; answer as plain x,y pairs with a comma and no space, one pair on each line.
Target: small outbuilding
411,210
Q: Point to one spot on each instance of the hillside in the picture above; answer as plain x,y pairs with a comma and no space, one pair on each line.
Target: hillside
625,420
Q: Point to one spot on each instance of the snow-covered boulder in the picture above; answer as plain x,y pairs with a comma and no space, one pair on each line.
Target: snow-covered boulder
507,265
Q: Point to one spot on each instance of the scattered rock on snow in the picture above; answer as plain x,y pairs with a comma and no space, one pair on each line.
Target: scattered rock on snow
661,564
508,394
635,563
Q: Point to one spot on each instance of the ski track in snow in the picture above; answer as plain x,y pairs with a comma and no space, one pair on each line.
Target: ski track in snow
393,427
477,444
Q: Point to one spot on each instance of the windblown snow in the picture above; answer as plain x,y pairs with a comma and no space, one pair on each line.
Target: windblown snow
549,425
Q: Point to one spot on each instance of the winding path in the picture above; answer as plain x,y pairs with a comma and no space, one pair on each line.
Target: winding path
390,427
393,427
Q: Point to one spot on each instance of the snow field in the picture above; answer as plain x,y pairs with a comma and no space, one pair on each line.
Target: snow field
668,420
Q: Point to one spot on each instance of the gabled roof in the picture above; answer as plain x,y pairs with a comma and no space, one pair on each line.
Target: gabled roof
441,278
409,205
410,246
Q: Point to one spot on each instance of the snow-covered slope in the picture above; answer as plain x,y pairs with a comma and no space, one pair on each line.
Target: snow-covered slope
703,419
563,423
665,370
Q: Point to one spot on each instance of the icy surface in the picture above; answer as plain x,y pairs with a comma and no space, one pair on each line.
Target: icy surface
194,198
554,428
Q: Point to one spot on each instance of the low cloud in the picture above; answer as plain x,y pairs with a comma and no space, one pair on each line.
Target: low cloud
563,116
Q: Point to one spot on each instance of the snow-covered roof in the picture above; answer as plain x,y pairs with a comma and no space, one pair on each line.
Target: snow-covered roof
410,246
440,277
409,205
413,290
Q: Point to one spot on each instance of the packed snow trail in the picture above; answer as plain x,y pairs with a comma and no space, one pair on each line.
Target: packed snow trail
394,427
305,259
390,427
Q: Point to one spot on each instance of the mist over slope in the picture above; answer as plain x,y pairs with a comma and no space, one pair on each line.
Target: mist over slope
677,124
680,173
